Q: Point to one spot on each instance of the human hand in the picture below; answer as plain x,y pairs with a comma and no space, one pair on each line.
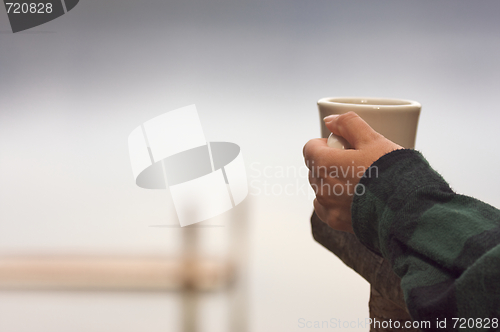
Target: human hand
335,173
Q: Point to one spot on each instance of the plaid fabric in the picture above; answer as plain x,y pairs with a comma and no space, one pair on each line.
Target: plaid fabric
444,246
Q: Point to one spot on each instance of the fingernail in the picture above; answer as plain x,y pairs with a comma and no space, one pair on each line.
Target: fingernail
330,117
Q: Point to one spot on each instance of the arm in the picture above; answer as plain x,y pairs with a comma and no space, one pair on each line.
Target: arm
444,246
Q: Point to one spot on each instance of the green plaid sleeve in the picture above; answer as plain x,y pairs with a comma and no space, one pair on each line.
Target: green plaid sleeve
444,246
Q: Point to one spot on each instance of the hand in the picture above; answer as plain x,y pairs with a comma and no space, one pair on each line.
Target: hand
335,173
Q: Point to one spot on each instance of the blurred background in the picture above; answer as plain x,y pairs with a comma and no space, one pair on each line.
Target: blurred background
73,89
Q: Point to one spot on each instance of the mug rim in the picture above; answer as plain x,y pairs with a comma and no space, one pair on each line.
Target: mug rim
373,102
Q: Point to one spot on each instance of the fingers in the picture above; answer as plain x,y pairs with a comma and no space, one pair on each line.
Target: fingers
332,218
350,126
320,210
314,151
318,153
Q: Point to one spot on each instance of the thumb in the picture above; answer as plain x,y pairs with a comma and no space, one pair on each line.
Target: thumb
350,126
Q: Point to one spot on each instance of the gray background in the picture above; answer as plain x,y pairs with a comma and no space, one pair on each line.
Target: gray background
72,90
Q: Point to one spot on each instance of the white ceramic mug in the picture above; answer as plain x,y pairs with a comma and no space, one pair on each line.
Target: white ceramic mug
396,119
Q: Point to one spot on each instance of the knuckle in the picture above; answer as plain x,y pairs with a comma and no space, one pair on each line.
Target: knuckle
334,219
322,199
318,168
312,156
345,118
376,137
304,150
312,178
316,205
335,214
308,150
